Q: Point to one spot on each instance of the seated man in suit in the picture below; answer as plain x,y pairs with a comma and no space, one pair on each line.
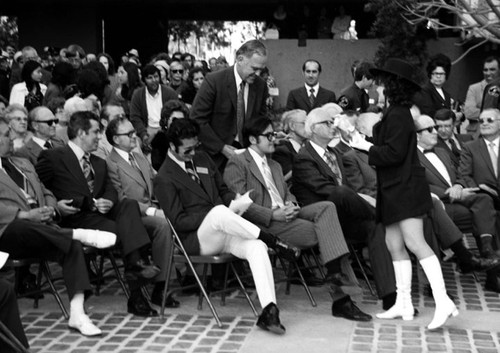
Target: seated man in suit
80,182
362,178
319,175
43,124
311,95
28,229
293,125
275,209
194,197
449,141
108,113
132,177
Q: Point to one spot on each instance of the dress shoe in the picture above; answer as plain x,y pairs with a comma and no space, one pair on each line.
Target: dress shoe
139,306
142,269
492,283
286,251
309,277
84,325
96,238
269,320
479,264
27,284
169,303
346,308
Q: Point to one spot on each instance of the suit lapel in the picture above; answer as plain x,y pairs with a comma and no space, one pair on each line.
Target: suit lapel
319,160
205,178
126,167
445,158
304,95
251,101
429,166
231,86
178,174
73,165
11,185
145,170
483,151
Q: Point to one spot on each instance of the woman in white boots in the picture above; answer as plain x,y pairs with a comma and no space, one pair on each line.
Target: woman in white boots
403,196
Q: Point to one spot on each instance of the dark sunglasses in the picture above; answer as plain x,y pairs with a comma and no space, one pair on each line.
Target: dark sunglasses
486,120
130,134
48,122
177,71
191,149
271,136
429,129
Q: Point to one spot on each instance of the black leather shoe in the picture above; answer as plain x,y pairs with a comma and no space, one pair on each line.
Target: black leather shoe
169,303
309,277
286,251
27,284
346,308
269,320
142,269
139,306
492,283
479,264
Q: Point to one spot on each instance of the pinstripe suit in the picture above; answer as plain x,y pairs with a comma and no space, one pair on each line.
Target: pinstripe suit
316,223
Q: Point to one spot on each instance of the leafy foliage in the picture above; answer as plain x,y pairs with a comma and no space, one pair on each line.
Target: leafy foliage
8,31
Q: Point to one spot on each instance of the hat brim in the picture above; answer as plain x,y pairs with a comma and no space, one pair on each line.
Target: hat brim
378,72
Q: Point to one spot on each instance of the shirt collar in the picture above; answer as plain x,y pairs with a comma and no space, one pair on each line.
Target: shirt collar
315,87
237,77
76,150
178,162
40,142
156,95
123,154
296,146
257,158
320,150
495,142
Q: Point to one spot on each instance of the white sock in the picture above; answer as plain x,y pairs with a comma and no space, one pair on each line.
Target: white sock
76,305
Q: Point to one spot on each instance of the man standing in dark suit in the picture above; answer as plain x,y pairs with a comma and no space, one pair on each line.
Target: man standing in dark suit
194,197
275,210
227,98
449,141
80,182
28,229
146,104
311,95
43,123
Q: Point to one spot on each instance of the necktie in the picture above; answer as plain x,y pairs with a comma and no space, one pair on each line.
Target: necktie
311,97
87,171
191,172
20,180
271,186
454,148
240,111
493,155
430,150
134,164
48,145
331,160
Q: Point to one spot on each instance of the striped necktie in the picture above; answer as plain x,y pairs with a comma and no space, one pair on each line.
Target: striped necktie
271,186
192,172
331,160
87,171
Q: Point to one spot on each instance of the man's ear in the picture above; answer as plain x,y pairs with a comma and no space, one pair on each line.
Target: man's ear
252,140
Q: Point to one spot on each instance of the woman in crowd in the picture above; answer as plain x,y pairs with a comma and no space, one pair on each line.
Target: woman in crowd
18,121
403,195
172,109
195,79
107,61
129,78
63,75
30,91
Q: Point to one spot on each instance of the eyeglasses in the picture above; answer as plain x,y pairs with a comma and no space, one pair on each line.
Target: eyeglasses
429,129
130,134
48,122
438,73
18,118
192,149
486,120
271,136
177,71
328,123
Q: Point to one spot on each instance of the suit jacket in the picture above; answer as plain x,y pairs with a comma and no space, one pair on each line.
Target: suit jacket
462,139
299,99
284,155
60,171
474,99
139,108
130,182
12,199
31,150
476,167
312,178
428,100
243,174
214,108
359,174
185,202
342,147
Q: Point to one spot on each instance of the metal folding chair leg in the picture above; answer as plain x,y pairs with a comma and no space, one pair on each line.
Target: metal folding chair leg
8,337
48,274
289,271
117,273
363,272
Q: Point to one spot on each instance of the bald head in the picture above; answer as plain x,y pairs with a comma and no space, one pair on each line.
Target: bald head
43,123
426,131
365,123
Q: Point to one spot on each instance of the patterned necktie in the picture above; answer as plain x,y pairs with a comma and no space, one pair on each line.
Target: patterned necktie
240,111
271,186
20,179
494,157
48,145
191,172
454,148
135,165
311,97
87,171
331,160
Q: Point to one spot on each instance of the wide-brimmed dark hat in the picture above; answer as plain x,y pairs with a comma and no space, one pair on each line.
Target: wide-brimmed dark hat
399,68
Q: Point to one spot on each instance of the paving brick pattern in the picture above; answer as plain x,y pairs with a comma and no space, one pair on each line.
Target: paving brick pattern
379,337
48,333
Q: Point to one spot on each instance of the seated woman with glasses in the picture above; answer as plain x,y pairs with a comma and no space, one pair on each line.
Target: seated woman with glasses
18,121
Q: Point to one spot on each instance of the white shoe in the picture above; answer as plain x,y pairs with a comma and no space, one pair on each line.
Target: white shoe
96,238
442,313
84,325
398,311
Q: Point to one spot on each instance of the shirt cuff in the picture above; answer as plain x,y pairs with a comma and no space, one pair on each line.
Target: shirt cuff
150,211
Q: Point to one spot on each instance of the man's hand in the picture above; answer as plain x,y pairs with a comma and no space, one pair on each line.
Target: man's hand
64,206
455,192
40,214
228,151
287,213
159,213
103,205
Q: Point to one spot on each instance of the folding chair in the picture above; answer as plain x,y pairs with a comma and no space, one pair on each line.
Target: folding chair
361,264
190,260
43,269
8,337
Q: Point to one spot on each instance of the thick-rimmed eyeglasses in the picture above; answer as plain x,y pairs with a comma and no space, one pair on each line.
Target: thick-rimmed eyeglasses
48,122
130,134
271,136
